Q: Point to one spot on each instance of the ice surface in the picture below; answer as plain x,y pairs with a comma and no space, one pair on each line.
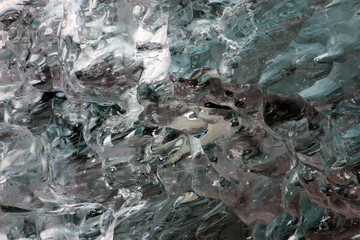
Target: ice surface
179,119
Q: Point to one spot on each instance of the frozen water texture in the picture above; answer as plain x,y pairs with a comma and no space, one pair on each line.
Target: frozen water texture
179,119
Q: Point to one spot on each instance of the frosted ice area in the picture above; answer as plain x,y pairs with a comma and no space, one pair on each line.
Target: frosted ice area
179,119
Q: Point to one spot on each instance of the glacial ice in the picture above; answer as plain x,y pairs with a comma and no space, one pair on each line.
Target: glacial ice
179,119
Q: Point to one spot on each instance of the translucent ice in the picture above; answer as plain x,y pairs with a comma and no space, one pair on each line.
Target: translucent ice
179,119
